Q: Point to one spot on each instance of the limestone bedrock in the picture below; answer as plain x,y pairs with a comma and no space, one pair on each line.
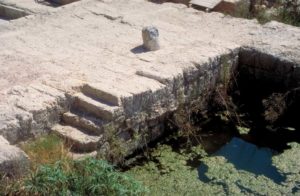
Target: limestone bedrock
48,56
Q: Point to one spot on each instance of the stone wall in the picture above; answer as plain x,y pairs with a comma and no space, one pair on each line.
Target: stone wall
271,70
145,114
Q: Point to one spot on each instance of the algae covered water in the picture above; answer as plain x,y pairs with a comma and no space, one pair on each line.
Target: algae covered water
238,168
248,157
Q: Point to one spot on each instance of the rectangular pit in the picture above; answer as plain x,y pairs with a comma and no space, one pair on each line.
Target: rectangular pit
256,73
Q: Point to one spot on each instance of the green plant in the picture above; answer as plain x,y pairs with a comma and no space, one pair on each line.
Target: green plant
285,11
242,10
289,12
47,180
84,177
263,17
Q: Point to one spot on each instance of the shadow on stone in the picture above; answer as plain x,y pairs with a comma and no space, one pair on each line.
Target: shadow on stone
48,3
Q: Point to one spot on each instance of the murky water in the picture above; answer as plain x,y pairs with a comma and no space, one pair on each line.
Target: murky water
237,168
248,157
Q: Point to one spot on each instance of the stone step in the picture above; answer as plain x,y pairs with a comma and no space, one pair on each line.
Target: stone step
84,155
89,124
107,95
95,107
78,140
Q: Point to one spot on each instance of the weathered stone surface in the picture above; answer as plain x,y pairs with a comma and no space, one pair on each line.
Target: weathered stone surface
80,156
78,140
13,161
150,36
30,111
89,123
197,48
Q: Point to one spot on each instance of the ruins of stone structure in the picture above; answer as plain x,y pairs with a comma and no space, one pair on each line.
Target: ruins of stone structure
77,69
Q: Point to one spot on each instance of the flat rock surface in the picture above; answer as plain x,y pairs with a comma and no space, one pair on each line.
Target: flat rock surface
95,41
99,42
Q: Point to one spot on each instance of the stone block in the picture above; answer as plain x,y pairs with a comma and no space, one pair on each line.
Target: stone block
151,38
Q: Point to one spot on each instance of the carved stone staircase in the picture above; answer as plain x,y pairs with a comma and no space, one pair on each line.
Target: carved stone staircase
82,126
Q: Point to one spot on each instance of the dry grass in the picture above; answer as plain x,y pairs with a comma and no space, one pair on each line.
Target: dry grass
46,150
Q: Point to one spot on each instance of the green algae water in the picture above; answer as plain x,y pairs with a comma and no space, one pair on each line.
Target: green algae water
238,168
248,157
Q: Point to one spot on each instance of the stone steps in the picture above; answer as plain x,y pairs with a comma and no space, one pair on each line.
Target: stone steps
79,141
107,95
82,126
86,122
96,107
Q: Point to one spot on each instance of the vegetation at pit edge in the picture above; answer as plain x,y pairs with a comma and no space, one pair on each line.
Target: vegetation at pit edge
53,173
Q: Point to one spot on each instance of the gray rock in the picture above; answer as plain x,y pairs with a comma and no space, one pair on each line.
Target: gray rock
150,38
13,161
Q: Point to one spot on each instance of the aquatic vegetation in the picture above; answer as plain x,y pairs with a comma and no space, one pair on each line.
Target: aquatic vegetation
171,173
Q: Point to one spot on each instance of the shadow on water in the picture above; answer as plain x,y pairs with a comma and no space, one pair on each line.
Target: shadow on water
248,157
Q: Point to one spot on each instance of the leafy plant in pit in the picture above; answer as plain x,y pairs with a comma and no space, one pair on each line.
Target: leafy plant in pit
85,177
